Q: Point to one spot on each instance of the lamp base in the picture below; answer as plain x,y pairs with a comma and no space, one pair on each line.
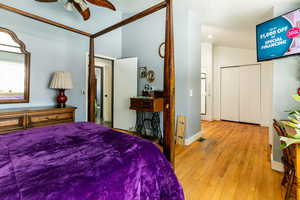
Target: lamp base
61,99
61,105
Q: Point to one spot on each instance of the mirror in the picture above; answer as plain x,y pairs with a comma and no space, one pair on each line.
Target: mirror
14,69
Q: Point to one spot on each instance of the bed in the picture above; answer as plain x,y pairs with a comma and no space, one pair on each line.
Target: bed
83,161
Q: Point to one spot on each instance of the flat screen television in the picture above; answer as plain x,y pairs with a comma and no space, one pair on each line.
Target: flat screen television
278,37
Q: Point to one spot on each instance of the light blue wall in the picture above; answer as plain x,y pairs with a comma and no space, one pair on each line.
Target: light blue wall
139,41
286,81
194,73
142,39
53,49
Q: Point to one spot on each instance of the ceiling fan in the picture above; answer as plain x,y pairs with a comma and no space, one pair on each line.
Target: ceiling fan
82,5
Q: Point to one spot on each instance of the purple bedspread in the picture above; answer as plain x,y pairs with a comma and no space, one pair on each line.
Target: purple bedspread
83,161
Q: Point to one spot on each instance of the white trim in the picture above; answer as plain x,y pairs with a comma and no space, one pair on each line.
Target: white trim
190,140
277,166
100,56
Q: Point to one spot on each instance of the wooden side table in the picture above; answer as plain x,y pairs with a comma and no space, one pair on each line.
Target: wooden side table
143,105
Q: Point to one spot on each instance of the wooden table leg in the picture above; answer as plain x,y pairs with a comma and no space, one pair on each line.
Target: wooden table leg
298,171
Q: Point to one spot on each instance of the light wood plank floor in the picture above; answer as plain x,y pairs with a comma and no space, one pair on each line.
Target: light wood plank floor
232,164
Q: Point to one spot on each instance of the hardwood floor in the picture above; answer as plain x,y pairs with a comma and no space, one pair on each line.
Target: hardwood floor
232,164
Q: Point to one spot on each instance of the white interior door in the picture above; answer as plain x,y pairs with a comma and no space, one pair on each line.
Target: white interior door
125,87
230,94
250,105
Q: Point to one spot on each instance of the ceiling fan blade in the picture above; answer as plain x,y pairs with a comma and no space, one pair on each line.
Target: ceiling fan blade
84,13
46,1
102,3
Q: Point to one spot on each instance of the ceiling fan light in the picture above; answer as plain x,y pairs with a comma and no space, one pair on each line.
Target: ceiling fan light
83,5
69,6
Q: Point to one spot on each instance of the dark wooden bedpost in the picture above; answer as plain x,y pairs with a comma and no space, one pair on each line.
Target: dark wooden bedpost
169,87
92,78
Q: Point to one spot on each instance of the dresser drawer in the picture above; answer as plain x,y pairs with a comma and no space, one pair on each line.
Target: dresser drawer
147,105
49,119
30,117
12,123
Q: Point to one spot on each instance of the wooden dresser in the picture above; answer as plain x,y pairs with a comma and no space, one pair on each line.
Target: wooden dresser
25,118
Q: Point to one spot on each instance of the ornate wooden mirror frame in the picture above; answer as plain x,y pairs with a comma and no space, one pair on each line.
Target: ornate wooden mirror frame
22,48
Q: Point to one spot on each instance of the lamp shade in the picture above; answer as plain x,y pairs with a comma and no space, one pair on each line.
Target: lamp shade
61,80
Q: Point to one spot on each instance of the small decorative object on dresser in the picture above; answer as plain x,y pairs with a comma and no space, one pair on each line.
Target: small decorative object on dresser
61,81
147,91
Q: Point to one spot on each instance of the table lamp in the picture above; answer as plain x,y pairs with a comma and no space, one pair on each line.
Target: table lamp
61,81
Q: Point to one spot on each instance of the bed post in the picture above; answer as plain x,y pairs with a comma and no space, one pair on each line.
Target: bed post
92,78
169,87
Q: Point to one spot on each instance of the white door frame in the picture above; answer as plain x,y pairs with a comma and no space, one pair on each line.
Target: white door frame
85,90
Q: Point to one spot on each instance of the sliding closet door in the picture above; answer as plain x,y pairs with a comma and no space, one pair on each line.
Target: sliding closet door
250,106
230,94
125,87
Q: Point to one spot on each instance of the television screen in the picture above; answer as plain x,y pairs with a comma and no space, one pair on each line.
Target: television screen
278,37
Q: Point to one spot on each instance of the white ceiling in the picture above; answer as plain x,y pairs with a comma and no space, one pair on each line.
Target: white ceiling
128,6
222,36
232,22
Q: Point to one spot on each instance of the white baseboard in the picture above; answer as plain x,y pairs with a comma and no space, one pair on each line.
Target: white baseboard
206,118
277,166
190,140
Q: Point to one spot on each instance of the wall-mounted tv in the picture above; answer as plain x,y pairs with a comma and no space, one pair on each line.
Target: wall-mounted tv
278,37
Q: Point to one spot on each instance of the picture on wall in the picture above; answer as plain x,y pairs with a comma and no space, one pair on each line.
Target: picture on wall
143,72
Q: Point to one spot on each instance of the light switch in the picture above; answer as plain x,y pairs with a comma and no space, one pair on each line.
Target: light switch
191,93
